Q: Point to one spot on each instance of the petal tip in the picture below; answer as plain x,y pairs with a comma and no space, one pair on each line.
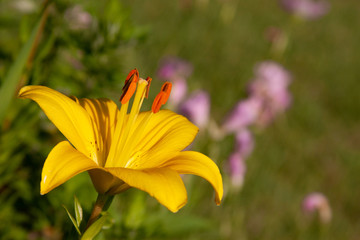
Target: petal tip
42,191
21,91
218,197
176,209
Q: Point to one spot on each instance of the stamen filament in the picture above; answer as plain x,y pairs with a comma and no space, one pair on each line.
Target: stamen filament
135,109
128,90
148,79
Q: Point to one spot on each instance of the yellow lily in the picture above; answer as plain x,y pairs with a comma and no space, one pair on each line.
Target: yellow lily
121,150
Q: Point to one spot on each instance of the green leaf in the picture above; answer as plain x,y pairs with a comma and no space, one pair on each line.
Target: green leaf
72,220
12,78
96,227
78,211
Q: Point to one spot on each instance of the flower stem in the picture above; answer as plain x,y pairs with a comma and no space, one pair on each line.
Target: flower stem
102,204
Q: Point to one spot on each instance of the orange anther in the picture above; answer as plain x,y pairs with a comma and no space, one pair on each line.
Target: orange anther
132,76
148,79
130,86
157,103
162,97
166,88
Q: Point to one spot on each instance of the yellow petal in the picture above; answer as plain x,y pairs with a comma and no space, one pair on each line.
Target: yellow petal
166,134
163,184
103,113
63,163
196,163
68,116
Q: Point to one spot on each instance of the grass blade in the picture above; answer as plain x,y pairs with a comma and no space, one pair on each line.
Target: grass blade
72,220
11,80
78,211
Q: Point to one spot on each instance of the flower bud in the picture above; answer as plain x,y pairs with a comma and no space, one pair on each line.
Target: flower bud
317,202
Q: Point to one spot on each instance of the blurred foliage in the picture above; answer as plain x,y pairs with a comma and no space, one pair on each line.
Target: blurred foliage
314,147
74,60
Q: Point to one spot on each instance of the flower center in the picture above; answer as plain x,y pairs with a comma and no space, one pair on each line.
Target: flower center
127,134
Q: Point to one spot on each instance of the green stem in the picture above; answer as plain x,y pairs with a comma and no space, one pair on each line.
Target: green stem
102,203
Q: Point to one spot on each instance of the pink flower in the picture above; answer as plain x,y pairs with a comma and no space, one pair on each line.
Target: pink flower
244,144
237,169
243,114
306,9
178,91
271,86
273,106
173,67
270,77
317,202
197,108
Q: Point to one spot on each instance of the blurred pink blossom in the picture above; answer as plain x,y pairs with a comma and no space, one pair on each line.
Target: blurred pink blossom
244,144
178,90
172,67
271,86
306,9
197,108
270,77
242,115
271,107
237,169
317,202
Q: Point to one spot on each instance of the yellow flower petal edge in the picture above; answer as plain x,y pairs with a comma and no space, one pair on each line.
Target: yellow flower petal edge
163,184
122,148
190,162
68,116
63,163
